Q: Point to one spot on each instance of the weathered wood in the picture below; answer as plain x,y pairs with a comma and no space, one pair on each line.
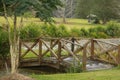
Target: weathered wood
29,49
59,50
40,51
92,49
107,50
81,48
76,47
84,58
73,44
114,59
110,55
118,59
110,43
70,52
51,43
51,48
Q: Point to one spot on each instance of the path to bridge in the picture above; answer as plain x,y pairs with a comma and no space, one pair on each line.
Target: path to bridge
54,51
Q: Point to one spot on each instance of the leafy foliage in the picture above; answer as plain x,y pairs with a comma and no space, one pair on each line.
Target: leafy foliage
104,9
43,8
4,44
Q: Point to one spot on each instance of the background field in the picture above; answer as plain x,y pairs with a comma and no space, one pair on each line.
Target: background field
70,22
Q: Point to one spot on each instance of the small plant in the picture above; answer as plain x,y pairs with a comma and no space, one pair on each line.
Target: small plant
74,69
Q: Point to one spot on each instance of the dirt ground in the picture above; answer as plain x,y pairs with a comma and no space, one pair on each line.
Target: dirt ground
15,77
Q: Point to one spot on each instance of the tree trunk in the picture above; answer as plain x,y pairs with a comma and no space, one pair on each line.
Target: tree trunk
12,41
14,48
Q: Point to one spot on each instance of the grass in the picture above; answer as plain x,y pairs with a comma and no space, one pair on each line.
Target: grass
96,75
70,23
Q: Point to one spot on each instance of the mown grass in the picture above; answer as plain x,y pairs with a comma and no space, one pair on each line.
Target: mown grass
96,75
70,23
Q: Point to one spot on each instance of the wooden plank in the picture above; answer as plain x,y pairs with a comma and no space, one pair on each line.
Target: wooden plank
81,48
40,51
30,49
51,48
92,49
114,59
118,59
59,50
107,50
70,52
73,44
84,58
110,43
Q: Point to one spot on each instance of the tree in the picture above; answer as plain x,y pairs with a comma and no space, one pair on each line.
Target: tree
43,9
84,8
104,9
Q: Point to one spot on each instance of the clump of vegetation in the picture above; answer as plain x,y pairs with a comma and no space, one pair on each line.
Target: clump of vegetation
113,29
4,44
36,31
110,30
4,47
75,69
30,31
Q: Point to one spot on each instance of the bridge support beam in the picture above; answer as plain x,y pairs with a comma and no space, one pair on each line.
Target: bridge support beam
92,49
40,51
84,59
118,57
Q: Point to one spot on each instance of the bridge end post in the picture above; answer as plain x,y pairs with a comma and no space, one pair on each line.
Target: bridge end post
84,58
40,51
92,49
118,57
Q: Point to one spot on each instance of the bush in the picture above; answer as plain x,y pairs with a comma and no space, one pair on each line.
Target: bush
4,44
75,32
113,29
97,32
84,32
62,31
30,31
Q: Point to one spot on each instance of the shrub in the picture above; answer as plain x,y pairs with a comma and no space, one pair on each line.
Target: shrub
97,32
113,29
84,32
30,31
4,44
62,31
75,32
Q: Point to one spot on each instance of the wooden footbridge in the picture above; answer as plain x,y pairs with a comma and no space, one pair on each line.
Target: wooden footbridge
53,51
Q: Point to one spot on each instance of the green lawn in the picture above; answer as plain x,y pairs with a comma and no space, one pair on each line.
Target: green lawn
70,23
96,75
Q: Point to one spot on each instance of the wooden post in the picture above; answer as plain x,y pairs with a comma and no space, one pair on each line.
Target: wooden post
84,58
51,43
59,52
72,44
118,59
40,51
92,49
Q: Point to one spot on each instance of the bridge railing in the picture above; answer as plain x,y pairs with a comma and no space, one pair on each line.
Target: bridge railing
58,49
